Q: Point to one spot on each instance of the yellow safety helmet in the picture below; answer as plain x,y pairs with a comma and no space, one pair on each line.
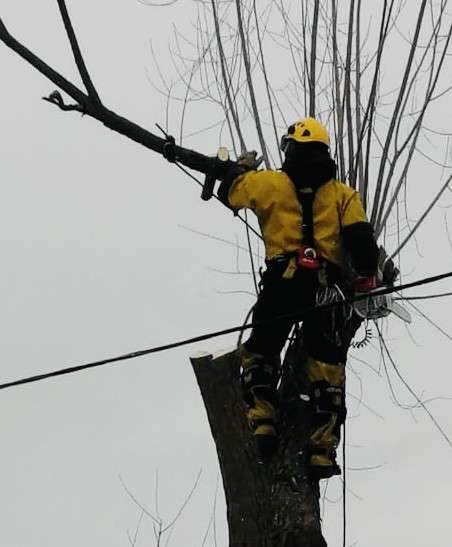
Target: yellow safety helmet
306,130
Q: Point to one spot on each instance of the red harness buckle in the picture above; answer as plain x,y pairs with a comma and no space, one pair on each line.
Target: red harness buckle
308,257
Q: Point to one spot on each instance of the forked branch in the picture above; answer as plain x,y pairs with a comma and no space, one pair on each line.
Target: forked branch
93,108
79,61
59,80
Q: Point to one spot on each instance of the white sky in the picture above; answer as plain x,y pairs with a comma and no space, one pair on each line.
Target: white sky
95,263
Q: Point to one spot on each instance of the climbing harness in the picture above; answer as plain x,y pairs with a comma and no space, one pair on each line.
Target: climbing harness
307,255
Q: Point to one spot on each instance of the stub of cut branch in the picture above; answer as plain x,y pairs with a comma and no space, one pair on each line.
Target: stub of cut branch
56,99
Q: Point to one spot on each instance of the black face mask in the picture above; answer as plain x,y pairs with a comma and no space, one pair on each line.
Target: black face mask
308,164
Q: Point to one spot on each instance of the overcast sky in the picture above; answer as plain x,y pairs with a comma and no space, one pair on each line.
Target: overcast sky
96,262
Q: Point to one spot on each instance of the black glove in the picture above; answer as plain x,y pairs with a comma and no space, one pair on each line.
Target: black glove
387,270
250,160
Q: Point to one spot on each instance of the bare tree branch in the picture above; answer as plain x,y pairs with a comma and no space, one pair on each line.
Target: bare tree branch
423,216
249,80
348,96
226,80
81,98
267,84
338,108
313,61
396,111
78,54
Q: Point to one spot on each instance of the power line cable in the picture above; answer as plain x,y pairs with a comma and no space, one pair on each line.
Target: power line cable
423,297
298,315
344,486
250,252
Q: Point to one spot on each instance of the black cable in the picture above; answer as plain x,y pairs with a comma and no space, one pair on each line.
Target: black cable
247,317
344,488
250,249
296,316
424,297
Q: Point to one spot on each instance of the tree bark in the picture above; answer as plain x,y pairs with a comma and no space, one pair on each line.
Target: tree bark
269,504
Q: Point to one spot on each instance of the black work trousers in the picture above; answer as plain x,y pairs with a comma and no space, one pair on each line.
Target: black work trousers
280,297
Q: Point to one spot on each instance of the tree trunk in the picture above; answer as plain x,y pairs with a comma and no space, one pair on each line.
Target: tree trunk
269,504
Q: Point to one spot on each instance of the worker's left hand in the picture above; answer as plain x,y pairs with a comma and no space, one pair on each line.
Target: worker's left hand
249,160
387,270
365,284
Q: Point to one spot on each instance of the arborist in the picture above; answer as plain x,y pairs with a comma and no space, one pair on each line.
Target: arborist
315,231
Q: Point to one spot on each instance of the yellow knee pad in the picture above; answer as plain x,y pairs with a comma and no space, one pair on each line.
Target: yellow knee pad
249,359
262,417
327,396
333,373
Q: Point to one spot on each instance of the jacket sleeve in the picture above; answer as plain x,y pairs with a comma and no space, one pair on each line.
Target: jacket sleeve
241,190
227,180
358,235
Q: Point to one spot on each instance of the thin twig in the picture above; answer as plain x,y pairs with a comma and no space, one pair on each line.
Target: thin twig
184,504
416,397
422,217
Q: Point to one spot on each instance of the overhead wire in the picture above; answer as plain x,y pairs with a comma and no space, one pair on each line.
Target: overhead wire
344,486
423,297
298,315
250,251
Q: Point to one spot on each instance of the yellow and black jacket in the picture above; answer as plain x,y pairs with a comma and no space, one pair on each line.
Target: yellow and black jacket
340,224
